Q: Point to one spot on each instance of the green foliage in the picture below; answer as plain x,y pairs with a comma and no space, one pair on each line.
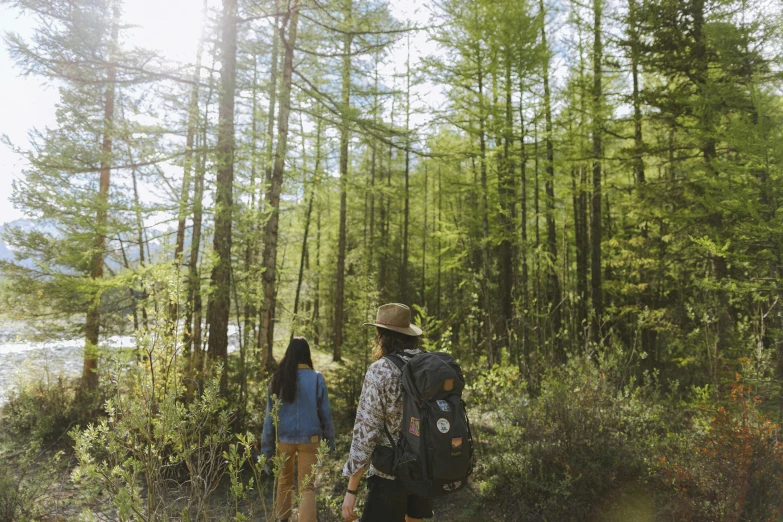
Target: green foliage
562,454
26,489
493,235
46,407
729,471
158,441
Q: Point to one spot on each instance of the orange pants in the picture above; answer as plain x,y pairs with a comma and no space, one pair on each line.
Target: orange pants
307,457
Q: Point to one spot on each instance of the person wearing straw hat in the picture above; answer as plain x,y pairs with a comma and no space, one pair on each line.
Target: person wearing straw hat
380,409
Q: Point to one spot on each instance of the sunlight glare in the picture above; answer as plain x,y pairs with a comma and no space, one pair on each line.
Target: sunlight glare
171,27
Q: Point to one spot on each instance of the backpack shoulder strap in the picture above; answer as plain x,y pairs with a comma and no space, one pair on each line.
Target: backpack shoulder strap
396,359
400,363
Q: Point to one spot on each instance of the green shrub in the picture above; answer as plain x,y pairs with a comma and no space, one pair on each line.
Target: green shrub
564,454
732,470
47,408
152,447
25,486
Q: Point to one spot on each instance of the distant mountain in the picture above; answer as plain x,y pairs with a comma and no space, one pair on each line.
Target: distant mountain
6,254
154,249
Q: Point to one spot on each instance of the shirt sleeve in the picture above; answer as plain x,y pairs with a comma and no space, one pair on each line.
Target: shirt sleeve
324,414
368,425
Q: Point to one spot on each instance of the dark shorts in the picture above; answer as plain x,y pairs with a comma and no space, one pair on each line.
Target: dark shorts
389,501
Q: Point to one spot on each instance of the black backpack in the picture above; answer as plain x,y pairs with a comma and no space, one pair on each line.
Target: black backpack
434,456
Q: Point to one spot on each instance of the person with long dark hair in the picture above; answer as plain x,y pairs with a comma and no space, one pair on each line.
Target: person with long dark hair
379,413
304,420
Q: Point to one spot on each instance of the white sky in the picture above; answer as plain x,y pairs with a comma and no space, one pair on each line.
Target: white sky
170,26
26,104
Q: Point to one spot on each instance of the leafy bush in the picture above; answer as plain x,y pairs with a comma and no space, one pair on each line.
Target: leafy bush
45,409
152,444
25,488
730,471
563,454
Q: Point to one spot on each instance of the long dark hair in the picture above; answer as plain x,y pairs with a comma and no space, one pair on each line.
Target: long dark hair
284,380
388,341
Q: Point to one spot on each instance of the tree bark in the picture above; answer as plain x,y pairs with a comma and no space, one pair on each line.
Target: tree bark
595,223
523,226
317,290
424,245
404,291
633,31
507,218
344,139
537,209
489,345
139,241
373,170
193,311
264,350
273,193
251,244
440,256
93,321
313,188
553,285
193,116
220,282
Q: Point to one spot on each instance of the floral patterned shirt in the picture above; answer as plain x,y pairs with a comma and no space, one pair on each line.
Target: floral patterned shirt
380,402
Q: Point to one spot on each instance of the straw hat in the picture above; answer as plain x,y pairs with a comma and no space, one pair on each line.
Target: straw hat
395,317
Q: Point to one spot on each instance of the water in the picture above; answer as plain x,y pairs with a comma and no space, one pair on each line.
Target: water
22,359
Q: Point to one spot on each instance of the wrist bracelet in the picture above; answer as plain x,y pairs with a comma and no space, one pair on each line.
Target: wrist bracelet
351,491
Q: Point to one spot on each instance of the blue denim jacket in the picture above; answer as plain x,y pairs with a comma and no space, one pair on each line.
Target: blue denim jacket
308,416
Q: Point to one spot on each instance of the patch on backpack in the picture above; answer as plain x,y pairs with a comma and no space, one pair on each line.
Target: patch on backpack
444,405
456,446
452,486
415,425
443,425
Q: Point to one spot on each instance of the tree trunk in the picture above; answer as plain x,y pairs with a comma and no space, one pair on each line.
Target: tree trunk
264,351
553,285
383,268
489,346
595,233
317,289
93,321
131,291
638,163
193,335
406,203
344,138
193,116
373,168
537,209
507,222
581,239
523,225
440,229
220,282
313,188
273,193
251,244
424,246
139,241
